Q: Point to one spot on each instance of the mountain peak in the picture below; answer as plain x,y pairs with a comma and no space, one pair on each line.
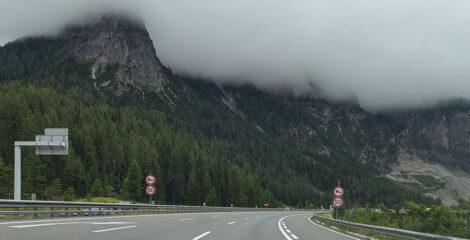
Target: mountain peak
121,52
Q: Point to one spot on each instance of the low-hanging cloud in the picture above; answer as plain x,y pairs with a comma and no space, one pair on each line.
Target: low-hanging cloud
383,53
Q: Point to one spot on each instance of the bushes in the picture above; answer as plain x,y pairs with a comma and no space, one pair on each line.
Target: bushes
438,219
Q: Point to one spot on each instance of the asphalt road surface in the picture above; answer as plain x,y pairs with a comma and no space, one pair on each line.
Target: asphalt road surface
192,226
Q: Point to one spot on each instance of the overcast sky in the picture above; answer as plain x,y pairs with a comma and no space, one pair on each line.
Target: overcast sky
384,54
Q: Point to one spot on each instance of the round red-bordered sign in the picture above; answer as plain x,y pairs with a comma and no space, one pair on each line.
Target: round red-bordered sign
338,191
150,190
150,179
337,202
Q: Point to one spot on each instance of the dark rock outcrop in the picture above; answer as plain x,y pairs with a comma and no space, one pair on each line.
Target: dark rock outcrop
121,52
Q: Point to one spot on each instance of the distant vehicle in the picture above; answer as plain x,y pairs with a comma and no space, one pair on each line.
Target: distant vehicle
124,203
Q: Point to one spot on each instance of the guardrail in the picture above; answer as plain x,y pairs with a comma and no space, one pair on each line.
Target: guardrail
393,232
28,207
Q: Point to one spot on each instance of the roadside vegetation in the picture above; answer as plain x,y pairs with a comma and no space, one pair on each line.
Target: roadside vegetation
438,219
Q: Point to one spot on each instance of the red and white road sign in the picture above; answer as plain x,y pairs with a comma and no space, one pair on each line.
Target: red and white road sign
150,179
150,190
338,191
266,204
338,202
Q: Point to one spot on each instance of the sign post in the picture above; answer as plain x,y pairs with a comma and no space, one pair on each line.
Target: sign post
150,190
338,202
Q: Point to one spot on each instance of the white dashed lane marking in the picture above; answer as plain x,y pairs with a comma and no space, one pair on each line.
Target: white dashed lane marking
112,229
202,235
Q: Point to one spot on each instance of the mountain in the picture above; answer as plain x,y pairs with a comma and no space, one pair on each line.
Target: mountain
235,143
121,50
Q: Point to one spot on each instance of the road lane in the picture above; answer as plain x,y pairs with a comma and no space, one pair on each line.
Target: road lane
302,228
201,226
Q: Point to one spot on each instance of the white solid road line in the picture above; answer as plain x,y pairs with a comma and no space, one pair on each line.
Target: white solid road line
331,230
295,237
110,223
41,225
112,229
230,223
186,219
67,223
202,235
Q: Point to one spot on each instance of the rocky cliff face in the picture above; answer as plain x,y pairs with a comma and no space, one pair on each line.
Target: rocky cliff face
424,150
121,52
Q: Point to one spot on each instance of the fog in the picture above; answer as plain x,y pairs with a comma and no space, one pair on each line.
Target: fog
383,54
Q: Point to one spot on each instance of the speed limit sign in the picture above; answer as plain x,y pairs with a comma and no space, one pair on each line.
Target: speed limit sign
150,190
337,202
338,191
150,179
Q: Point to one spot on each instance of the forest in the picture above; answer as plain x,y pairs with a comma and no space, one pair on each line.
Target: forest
199,151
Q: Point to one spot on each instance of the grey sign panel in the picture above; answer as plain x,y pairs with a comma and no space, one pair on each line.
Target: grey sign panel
50,145
56,131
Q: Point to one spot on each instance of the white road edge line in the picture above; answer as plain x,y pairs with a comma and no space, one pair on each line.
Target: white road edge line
202,235
40,225
186,219
295,237
332,230
112,229
230,223
281,229
67,223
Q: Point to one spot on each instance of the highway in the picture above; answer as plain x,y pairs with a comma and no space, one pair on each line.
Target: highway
281,225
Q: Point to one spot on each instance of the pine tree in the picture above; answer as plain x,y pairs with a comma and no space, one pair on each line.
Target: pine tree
69,194
6,180
211,198
54,190
134,186
96,189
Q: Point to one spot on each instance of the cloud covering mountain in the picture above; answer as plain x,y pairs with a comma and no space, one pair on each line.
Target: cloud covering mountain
383,53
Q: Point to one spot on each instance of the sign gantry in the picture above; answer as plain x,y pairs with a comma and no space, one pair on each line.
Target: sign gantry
55,141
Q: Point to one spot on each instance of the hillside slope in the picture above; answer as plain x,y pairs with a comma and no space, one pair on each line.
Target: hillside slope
280,148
